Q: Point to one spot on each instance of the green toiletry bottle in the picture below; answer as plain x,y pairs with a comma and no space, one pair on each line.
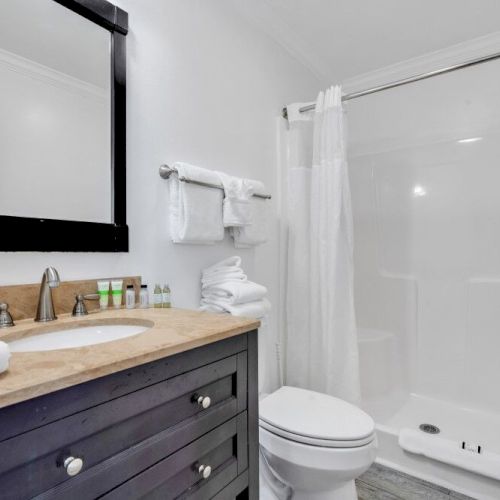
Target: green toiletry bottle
166,296
157,296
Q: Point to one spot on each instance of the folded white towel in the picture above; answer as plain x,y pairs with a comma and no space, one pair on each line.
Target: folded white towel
234,292
227,269
256,309
257,232
236,206
218,278
229,264
195,211
4,356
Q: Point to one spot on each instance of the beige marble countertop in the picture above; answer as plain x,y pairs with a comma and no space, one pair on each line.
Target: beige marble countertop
171,331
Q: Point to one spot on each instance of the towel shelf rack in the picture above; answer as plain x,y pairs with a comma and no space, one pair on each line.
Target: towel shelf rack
166,172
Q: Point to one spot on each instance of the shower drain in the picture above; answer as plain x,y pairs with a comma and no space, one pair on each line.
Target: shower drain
429,428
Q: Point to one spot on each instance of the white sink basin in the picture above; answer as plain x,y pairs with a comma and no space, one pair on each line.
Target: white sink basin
75,337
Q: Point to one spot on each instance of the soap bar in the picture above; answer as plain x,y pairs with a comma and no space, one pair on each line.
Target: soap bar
4,356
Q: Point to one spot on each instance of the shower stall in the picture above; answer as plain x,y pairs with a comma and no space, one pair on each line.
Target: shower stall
424,169
424,173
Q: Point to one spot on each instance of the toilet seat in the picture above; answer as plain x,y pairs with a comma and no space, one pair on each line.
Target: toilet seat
325,443
316,419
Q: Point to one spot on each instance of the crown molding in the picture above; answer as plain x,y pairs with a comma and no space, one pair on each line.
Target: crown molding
449,56
265,17
36,71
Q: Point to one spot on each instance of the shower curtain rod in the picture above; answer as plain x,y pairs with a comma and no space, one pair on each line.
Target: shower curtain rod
405,81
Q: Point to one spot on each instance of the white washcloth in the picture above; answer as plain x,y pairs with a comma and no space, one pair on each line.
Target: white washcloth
256,233
256,309
195,211
237,194
4,356
235,292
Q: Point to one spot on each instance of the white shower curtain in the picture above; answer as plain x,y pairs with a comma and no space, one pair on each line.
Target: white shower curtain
321,339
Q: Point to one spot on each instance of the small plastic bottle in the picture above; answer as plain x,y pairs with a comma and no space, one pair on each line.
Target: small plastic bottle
157,296
166,296
130,297
144,297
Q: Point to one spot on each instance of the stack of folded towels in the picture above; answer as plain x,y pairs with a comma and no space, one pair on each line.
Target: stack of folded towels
226,289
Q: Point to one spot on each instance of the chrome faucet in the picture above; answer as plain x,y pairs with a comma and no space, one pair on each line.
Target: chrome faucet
5,317
45,309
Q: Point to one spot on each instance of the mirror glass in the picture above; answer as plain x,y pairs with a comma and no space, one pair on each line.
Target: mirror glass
55,113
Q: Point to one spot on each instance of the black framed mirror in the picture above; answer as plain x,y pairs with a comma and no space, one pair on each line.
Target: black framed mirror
63,126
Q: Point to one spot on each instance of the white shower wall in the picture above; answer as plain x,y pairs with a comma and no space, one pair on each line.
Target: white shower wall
425,180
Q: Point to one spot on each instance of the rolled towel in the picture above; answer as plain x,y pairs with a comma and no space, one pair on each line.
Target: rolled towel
195,211
257,232
236,207
256,309
235,292
4,356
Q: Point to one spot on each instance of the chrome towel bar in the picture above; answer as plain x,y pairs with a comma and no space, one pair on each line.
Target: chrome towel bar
166,172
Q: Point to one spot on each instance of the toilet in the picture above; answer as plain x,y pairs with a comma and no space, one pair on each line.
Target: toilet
312,446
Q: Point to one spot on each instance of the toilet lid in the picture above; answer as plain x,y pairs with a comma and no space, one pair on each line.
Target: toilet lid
314,418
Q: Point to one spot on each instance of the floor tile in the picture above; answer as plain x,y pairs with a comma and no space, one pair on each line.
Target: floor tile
380,480
368,492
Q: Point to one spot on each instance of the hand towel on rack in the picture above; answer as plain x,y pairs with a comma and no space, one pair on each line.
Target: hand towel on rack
235,292
195,211
256,233
237,194
256,309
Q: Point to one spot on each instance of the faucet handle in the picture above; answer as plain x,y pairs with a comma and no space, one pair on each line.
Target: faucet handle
5,317
80,309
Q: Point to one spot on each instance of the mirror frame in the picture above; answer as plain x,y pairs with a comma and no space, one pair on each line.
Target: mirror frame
52,235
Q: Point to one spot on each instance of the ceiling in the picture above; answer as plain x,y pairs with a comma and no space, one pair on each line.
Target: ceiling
339,39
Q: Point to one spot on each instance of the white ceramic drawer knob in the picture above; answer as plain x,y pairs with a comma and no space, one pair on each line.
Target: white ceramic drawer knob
204,471
73,465
204,401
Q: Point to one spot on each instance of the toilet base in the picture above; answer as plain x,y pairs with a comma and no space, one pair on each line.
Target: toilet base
345,491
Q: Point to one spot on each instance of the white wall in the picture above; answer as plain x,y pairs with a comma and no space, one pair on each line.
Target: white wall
203,87
427,219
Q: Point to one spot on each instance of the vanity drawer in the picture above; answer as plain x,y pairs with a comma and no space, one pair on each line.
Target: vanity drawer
32,463
224,450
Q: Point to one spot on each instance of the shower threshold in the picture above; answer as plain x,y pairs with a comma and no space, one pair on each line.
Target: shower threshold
462,456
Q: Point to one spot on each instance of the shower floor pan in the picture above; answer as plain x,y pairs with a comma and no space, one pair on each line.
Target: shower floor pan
462,431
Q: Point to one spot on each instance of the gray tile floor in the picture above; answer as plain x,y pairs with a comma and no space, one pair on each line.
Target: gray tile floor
382,483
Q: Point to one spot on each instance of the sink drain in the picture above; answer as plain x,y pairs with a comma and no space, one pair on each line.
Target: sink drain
429,428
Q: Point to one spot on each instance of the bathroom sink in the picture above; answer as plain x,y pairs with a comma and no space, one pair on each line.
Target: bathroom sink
75,337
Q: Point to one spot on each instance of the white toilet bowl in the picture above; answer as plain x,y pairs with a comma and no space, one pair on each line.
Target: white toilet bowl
314,443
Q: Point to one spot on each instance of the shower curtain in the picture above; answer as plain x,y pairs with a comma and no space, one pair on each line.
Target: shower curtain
321,339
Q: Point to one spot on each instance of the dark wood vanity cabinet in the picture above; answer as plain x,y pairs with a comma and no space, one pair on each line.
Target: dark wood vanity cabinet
148,432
